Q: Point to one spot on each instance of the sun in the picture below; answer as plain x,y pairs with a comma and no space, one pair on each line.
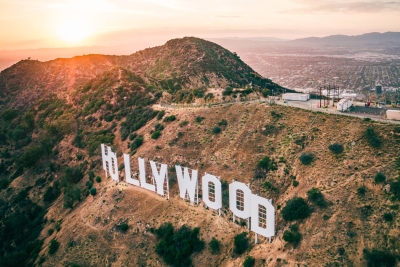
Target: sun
74,31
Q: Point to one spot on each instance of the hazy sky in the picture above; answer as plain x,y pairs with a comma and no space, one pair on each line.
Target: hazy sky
61,23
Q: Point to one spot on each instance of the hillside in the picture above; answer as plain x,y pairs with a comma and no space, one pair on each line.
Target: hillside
179,65
57,208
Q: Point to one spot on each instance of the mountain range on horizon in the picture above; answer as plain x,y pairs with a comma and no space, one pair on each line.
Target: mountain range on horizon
373,39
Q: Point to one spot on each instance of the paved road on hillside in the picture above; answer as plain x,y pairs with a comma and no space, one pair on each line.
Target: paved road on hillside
359,112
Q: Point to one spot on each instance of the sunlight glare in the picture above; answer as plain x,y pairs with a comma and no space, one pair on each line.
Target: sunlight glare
74,30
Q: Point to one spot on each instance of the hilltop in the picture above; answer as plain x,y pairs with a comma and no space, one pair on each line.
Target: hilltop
58,209
179,65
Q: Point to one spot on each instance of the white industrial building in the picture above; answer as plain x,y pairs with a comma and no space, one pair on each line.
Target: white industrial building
393,114
295,97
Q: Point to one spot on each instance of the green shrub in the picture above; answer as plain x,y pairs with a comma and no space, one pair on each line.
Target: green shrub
379,258
98,179
199,119
10,114
388,217
156,135
93,191
183,123
295,183
267,164
373,140
50,231
53,247
265,92
52,193
216,130
249,262
215,246
160,115
223,123
379,178
241,243
159,127
170,118
89,184
336,148
361,190
176,247
306,158
293,236
315,196
137,142
123,227
296,209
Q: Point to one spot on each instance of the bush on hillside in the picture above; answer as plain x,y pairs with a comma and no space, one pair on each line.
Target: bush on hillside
379,177
336,148
379,258
241,243
306,158
249,262
293,235
176,246
315,196
296,209
216,130
53,247
215,246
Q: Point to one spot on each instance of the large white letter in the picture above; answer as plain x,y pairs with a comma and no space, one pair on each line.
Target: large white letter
217,203
187,184
160,177
128,176
262,216
142,174
240,204
110,163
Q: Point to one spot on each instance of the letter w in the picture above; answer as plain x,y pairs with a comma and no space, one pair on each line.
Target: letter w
186,183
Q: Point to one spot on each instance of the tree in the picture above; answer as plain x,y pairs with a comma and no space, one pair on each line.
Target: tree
156,135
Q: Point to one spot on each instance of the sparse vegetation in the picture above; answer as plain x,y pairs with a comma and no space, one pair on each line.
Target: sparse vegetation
169,118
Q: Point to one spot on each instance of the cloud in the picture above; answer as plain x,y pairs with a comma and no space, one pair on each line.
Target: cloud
332,6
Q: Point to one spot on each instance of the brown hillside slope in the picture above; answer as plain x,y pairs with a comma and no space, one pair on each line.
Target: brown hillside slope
332,236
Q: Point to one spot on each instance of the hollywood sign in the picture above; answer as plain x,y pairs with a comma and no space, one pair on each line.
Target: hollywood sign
258,211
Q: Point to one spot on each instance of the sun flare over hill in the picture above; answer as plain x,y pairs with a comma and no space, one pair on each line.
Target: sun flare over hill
74,31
